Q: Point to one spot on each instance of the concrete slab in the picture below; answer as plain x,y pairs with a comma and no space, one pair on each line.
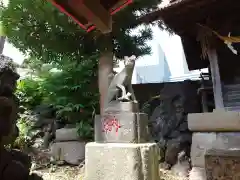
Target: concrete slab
216,121
121,161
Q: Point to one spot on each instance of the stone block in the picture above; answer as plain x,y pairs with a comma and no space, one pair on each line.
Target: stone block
227,141
222,164
216,121
122,127
121,161
116,106
66,134
197,173
73,152
200,143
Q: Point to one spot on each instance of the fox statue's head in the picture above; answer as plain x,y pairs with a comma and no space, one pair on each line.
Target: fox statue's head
129,61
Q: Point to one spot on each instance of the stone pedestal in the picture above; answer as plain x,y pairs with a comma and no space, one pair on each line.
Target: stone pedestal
121,161
121,151
121,123
67,146
208,150
222,164
124,127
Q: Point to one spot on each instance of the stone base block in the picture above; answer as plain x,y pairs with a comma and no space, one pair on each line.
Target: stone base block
121,161
123,127
227,141
222,164
66,134
73,152
116,106
200,143
216,121
197,173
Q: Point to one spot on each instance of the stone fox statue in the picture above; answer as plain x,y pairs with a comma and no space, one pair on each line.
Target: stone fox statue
122,84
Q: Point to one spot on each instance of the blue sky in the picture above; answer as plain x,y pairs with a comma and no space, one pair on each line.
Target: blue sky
172,48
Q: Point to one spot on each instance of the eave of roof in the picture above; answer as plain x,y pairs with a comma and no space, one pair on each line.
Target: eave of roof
157,14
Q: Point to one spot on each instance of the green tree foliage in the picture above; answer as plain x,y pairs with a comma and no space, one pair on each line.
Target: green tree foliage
38,28
72,91
29,93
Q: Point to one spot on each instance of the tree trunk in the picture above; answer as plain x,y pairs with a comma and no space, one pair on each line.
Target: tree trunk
105,68
2,42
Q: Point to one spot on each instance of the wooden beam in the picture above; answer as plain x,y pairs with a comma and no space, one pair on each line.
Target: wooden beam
216,80
94,12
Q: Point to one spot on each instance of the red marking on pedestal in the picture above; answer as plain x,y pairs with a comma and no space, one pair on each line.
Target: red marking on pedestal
109,123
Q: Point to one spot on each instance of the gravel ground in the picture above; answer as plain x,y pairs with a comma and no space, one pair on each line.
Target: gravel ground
76,173
61,173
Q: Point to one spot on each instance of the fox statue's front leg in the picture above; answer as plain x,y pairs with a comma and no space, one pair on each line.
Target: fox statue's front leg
125,96
131,91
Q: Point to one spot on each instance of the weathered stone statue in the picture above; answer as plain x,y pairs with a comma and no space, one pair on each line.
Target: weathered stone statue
121,135
121,110
121,84
14,165
170,129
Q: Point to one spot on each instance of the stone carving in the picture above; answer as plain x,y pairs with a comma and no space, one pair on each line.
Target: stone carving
222,164
13,164
169,128
121,132
121,121
120,87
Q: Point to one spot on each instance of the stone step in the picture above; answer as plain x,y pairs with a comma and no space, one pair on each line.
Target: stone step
232,104
219,120
236,108
231,96
231,99
230,92
232,87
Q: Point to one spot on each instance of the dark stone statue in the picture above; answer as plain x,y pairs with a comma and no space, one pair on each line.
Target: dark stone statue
14,165
169,128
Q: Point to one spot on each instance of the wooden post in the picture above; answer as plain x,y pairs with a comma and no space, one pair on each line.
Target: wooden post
216,80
